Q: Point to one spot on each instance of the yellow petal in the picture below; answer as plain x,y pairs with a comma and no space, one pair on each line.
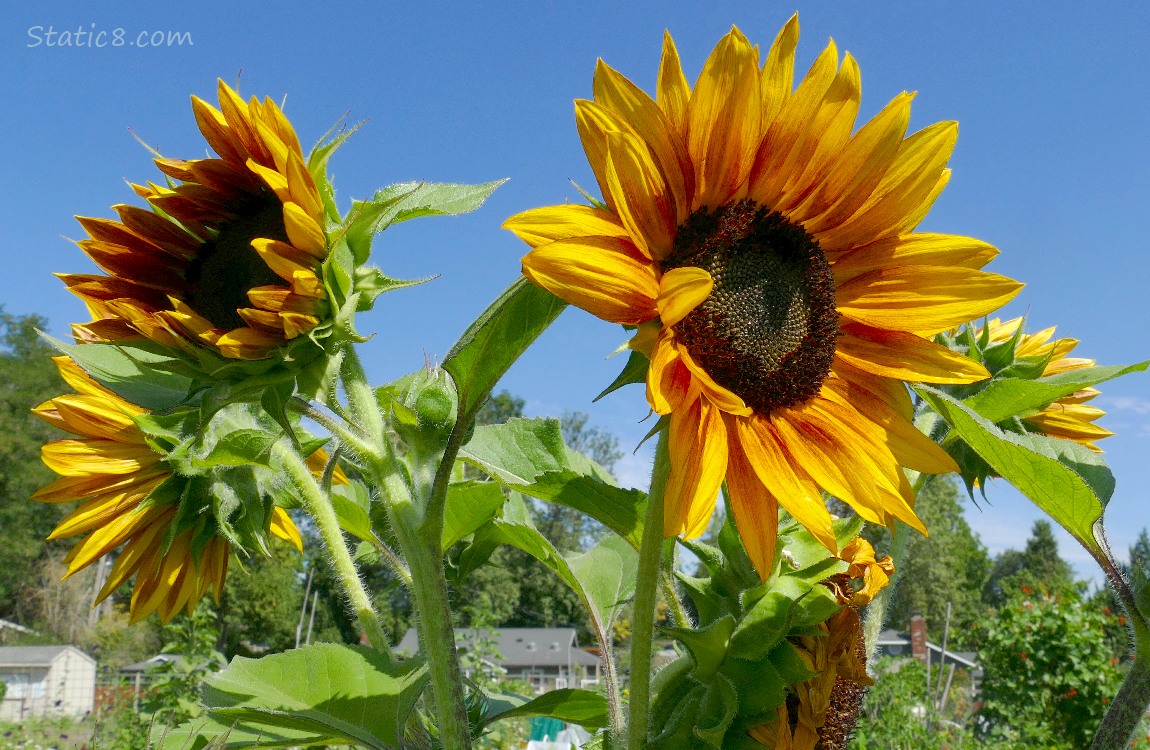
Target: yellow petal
672,92
79,458
605,276
724,120
754,507
924,249
905,356
784,479
644,203
923,299
283,527
777,77
654,129
681,290
542,225
697,442
668,379
303,231
283,259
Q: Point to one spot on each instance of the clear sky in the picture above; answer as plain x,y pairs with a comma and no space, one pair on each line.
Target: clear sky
1051,164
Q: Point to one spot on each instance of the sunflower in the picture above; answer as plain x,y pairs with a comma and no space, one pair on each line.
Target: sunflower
1069,417
767,257
132,501
227,256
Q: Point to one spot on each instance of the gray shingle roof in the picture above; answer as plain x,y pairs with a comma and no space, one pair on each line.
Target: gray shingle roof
521,647
34,656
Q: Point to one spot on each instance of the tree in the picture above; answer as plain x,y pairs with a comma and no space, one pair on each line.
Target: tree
260,607
1049,672
948,566
27,378
1038,564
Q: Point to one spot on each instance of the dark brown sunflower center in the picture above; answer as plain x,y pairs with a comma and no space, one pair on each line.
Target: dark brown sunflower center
767,331
227,266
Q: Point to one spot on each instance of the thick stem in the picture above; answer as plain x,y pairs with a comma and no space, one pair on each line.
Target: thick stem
318,506
433,613
643,617
1129,706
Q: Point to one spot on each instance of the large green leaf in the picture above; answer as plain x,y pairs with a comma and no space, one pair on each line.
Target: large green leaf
132,372
528,456
1066,480
1003,398
206,732
327,691
573,706
469,506
496,339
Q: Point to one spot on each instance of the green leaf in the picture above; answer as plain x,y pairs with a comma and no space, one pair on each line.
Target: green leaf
330,691
207,732
352,506
469,506
573,706
134,373
518,451
496,339
528,455
1067,481
1003,398
243,447
718,709
607,574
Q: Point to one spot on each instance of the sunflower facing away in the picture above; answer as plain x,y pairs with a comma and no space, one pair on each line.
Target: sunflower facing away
131,502
1069,417
229,253
768,257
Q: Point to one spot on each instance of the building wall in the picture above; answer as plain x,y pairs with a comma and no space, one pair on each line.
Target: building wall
67,687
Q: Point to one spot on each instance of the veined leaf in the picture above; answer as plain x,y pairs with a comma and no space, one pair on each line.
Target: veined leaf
134,373
328,691
496,339
573,706
469,506
1066,480
1006,397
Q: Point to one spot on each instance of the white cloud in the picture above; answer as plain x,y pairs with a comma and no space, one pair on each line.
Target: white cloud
1132,404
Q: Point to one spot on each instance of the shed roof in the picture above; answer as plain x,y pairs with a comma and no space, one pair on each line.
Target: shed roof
521,647
35,656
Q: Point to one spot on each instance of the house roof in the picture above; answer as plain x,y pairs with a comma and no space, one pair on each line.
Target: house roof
520,647
894,638
35,656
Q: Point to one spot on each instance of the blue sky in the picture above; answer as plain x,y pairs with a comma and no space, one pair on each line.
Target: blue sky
1051,163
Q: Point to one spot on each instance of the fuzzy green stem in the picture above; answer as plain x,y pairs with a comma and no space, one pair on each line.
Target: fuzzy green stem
1129,706
349,435
361,397
643,619
678,612
318,506
433,613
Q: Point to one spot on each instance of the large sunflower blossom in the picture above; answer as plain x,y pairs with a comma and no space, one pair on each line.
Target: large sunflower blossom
229,255
131,501
769,259
1069,417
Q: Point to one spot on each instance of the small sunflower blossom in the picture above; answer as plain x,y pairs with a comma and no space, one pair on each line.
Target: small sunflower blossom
766,252
135,503
227,258
821,712
1069,417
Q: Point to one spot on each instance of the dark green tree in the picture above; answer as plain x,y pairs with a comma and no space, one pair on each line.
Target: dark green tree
1038,564
27,378
260,608
948,566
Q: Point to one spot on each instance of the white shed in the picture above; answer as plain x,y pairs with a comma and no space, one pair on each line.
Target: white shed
46,680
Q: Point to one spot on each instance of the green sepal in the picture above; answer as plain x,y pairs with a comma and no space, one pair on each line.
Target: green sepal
717,711
469,505
370,282
707,645
136,372
424,406
634,371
